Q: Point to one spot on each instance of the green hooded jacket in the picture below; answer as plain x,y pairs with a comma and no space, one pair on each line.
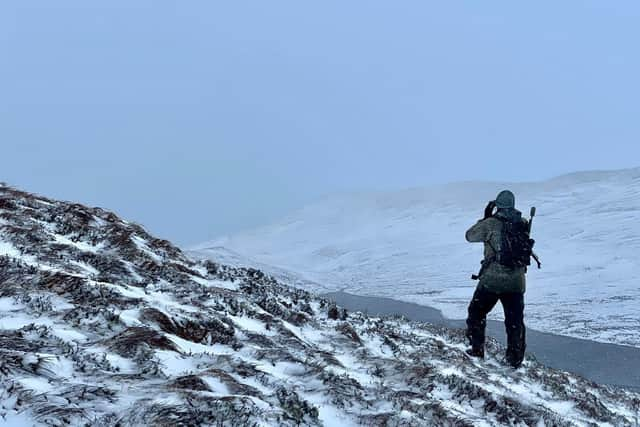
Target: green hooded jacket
495,277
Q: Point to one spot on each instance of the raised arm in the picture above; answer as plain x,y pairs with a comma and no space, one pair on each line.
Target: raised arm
479,232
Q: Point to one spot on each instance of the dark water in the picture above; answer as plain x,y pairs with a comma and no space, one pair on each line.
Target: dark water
612,364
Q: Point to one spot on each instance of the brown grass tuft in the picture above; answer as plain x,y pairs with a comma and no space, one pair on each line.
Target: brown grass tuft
132,339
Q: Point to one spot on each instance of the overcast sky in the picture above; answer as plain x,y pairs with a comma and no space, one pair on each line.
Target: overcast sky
201,118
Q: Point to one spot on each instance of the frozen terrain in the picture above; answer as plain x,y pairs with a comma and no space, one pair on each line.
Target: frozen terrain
101,324
410,245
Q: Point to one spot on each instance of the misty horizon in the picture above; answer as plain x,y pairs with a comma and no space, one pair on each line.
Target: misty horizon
353,192
205,120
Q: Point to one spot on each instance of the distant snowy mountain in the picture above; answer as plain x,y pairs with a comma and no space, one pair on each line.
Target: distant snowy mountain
101,324
410,245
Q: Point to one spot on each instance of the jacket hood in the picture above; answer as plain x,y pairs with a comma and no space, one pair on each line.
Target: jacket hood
510,214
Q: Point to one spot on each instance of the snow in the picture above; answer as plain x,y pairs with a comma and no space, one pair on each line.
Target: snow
282,370
133,271
216,386
144,247
130,317
81,245
251,325
19,320
75,356
86,267
59,303
62,367
352,369
16,420
7,249
330,416
69,335
9,304
190,347
410,245
216,283
158,299
175,364
38,385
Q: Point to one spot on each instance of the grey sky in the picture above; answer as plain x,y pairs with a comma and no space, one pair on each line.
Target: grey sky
200,118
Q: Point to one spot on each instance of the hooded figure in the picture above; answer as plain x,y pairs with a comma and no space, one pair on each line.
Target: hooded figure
497,282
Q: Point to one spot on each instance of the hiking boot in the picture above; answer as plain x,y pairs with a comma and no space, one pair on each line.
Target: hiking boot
513,363
476,352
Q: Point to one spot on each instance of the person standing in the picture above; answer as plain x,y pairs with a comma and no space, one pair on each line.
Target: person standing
507,252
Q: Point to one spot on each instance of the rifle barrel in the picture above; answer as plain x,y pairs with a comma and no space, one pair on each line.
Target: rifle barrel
533,214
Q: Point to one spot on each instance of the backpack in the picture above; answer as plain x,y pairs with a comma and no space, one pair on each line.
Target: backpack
516,248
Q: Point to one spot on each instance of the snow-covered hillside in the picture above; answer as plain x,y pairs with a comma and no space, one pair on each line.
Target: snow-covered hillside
410,245
101,324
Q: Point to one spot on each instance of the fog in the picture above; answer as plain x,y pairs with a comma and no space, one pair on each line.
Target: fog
199,119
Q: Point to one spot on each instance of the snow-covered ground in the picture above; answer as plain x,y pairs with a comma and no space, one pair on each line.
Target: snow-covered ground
410,245
102,324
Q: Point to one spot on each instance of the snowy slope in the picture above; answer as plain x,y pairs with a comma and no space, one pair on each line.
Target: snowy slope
410,245
225,256
102,324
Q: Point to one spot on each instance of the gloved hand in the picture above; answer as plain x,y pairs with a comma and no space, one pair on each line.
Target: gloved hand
488,211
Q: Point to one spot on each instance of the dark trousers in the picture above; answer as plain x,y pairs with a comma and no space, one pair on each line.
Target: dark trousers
513,305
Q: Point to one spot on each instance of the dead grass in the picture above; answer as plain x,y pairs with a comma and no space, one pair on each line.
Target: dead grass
210,330
131,340
189,382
